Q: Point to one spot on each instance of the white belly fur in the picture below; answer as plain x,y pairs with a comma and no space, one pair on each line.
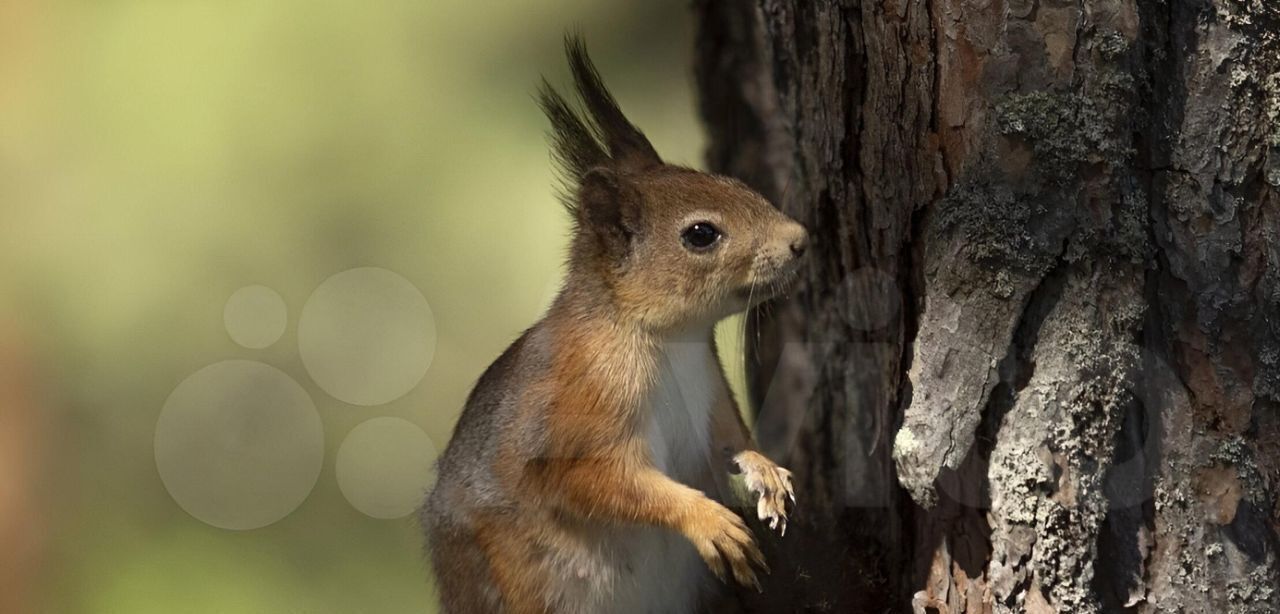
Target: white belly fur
641,570
679,408
669,574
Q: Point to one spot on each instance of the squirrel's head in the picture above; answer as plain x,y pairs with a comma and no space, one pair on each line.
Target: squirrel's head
672,245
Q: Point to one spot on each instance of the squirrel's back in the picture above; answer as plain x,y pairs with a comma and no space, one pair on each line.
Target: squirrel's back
467,483
466,469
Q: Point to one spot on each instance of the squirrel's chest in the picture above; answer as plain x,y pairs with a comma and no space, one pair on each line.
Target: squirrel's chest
679,406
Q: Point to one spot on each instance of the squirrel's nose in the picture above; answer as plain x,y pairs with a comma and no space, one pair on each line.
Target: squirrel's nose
800,244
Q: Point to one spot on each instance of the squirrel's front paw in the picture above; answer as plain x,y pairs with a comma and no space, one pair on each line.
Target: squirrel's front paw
771,483
721,538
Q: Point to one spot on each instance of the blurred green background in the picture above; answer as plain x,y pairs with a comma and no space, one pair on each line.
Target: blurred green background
158,155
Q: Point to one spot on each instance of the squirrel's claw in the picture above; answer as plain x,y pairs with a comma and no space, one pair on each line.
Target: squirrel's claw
771,484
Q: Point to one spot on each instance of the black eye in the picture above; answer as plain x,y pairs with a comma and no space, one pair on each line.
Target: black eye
700,236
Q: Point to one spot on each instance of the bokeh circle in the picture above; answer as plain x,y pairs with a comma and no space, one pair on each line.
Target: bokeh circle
255,316
239,444
385,466
366,336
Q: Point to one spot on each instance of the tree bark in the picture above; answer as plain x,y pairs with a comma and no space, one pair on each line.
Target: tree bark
1036,363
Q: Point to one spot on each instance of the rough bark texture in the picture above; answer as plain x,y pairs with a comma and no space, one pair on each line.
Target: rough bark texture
1036,365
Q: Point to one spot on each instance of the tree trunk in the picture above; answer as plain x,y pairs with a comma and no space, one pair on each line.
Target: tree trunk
1036,365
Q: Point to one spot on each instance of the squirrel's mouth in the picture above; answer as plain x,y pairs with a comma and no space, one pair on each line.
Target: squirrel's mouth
771,285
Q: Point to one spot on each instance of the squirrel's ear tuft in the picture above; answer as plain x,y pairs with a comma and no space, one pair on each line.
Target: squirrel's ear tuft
573,145
628,147
609,211
600,138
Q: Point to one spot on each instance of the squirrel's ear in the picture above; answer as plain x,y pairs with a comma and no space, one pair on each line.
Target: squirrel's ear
609,210
628,147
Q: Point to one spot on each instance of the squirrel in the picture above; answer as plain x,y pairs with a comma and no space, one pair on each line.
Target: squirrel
584,471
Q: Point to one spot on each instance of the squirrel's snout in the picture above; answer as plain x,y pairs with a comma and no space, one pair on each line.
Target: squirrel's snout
798,240
800,245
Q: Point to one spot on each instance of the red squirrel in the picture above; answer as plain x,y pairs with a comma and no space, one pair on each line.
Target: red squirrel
582,473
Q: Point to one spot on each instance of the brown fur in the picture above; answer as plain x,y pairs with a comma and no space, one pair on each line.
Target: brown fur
551,463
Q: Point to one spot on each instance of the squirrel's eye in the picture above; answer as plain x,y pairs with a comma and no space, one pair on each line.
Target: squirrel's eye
700,236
